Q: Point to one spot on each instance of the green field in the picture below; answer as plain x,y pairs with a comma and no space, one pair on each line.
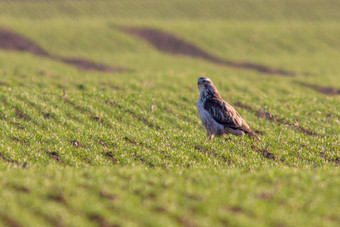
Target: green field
91,148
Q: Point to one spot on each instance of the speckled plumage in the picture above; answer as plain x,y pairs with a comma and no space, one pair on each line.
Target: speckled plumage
217,116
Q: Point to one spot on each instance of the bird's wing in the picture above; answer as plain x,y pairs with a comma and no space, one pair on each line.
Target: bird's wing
225,114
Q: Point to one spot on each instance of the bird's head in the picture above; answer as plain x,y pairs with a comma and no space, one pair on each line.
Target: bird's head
204,83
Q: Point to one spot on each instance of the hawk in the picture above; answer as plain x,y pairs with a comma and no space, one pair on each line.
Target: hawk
218,117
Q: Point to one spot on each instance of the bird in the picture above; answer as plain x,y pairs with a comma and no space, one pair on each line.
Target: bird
219,117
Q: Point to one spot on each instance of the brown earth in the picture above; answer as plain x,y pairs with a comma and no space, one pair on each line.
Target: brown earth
101,221
8,221
12,41
265,153
86,65
171,44
54,155
322,89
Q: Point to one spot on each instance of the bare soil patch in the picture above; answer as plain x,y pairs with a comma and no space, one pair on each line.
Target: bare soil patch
22,115
171,44
322,89
271,117
54,155
13,41
111,156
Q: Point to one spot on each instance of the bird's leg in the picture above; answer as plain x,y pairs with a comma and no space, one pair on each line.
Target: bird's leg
209,136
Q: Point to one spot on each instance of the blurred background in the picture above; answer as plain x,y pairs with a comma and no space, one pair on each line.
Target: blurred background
296,36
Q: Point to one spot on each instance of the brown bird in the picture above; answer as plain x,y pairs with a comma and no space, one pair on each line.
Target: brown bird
218,117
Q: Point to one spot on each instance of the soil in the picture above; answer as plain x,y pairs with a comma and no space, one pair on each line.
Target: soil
8,221
22,115
264,152
101,221
12,41
54,155
322,89
171,44
86,65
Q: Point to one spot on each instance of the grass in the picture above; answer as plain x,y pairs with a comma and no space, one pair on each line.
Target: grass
185,197
92,148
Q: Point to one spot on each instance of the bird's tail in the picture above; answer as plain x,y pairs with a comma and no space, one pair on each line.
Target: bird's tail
253,134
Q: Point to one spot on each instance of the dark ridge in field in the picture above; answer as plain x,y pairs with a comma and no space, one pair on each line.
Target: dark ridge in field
9,160
110,156
171,44
93,116
54,155
57,197
142,159
45,114
12,41
22,115
20,188
101,221
107,195
138,117
264,152
322,89
54,221
269,116
86,65
19,140
8,221
329,159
